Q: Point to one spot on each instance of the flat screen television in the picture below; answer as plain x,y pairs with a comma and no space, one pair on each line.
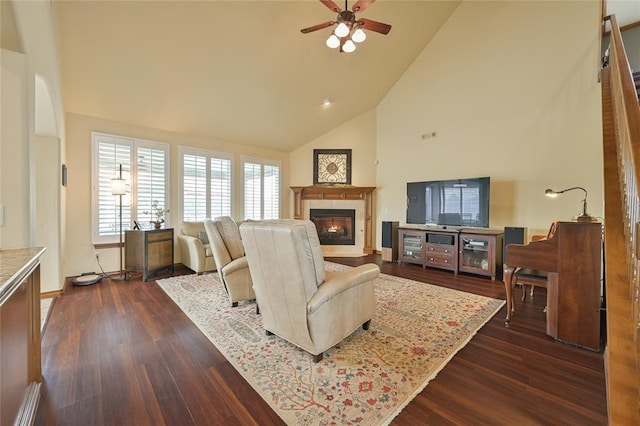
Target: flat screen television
454,202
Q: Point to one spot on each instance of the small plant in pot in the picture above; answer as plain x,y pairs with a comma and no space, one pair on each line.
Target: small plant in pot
157,212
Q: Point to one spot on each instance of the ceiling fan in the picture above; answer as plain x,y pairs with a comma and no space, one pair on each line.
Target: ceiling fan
349,28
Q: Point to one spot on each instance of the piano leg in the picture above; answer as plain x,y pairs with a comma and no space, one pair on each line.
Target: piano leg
508,286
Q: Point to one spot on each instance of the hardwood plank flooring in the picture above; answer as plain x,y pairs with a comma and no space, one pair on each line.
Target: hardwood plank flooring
122,353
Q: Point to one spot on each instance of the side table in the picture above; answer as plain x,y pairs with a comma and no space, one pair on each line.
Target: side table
148,251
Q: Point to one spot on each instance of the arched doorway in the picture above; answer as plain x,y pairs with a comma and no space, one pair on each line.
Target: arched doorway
46,213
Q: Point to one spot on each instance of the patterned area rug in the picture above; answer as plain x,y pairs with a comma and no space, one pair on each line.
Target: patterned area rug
370,377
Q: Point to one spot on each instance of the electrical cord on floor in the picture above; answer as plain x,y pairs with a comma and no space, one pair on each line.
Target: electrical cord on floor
98,260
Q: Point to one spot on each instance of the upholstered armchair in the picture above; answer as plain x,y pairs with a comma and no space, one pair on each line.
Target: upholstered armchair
300,301
228,252
195,250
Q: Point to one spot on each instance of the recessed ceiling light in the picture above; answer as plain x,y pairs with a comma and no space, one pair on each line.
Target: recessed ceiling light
326,102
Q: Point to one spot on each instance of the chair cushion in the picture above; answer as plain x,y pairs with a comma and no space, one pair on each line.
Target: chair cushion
309,235
316,251
218,248
289,254
202,236
230,234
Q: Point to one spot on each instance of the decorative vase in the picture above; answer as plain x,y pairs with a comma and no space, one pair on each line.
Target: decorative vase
157,223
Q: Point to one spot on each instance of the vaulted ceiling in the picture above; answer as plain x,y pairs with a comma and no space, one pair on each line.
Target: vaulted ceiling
240,71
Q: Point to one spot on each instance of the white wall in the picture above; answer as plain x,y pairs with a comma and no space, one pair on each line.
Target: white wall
32,107
511,88
358,134
48,213
14,151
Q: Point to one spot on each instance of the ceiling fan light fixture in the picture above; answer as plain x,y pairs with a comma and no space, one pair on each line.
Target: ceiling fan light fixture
349,46
359,36
333,41
348,28
342,30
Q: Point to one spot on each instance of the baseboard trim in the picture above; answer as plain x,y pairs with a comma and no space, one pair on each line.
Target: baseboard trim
55,293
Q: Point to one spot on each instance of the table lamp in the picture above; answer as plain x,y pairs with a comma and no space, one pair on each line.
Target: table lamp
582,217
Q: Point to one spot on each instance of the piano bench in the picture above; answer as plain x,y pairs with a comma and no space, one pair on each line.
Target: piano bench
530,277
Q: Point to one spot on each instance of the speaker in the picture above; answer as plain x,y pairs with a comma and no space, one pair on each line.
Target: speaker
448,240
390,241
514,235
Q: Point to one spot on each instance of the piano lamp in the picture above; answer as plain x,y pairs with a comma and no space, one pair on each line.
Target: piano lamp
582,217
119,188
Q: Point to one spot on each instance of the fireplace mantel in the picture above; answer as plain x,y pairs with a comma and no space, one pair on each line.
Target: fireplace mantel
338,192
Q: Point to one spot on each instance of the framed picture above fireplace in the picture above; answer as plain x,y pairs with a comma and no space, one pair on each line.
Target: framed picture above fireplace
331,166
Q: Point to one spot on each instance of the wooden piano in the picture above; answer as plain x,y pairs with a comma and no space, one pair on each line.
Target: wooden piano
571,256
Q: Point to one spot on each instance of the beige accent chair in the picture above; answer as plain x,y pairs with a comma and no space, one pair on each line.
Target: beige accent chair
228,253
299,301
194,253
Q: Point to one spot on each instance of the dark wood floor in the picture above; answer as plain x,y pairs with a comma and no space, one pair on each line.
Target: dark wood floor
122,353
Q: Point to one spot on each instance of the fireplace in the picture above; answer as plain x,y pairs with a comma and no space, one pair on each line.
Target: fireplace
335,226
359,198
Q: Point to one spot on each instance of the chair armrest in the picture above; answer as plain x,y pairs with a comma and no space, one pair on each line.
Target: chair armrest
235,265
191,242
339,282
190,245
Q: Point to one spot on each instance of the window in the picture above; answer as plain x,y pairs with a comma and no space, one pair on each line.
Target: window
261,189
206,184
145,166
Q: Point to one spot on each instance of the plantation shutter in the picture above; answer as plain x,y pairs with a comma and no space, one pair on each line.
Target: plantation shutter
261,190
220,187
271,195
252,191
206,184
151,184
111,153
145,168
194,187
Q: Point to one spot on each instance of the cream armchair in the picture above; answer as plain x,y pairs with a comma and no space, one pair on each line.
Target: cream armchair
195,250
228,253
298,300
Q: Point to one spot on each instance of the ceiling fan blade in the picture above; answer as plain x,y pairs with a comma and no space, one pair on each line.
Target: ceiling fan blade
377,27
317,27
331,5
361,5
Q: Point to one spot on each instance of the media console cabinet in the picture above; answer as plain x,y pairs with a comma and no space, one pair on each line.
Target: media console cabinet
473,250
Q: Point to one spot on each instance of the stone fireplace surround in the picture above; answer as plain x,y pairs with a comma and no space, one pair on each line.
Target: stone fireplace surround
339,196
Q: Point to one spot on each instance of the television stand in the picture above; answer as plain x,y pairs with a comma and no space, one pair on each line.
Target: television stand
472,250
437,248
